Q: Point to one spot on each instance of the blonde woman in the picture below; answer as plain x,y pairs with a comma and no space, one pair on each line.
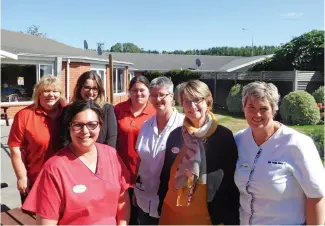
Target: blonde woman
90,87
34,135
197,179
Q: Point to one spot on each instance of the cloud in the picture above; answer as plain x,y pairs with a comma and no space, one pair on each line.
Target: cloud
292,15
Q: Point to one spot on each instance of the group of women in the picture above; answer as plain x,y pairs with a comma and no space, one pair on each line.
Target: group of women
143,162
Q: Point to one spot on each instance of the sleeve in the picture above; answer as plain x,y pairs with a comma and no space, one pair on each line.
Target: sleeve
111,126
168,162
125,176
45,198
308,168
17,132
228,208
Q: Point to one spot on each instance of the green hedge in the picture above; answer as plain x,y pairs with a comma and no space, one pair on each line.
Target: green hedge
177,76
318,136
234,99
319,95
299,108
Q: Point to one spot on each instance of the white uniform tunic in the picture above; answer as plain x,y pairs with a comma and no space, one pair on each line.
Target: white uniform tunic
151,148
275,178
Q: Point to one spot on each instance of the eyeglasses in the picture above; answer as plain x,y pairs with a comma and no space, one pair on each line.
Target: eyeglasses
188,103
77,126
160,96
88,88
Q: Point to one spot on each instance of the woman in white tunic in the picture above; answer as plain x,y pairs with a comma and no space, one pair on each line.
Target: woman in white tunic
151,146
279,172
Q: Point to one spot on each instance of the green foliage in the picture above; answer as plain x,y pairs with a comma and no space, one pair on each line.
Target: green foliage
152,74
319,95
305,52
318,136
299,108
34,30
234,99
125,48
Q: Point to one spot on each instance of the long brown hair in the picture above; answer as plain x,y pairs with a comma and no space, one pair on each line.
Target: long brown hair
100,100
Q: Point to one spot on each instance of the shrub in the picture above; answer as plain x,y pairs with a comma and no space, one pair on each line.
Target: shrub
319,95
234,104
299,108
318,136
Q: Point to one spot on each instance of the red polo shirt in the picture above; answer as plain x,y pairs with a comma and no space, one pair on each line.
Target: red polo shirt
37,136
127,134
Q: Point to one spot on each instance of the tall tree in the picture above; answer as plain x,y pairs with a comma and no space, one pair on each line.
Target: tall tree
34,30
117,48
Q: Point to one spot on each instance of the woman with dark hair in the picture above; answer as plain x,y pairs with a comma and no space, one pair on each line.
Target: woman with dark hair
85,182
130,116
90,87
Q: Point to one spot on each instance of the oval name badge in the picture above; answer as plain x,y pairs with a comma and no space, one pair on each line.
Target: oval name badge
79,188
175,150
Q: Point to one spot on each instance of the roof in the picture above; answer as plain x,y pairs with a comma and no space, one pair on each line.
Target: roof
166,62
19,43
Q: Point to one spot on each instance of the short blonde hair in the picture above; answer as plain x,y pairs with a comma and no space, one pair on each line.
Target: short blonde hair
195,89
46,83
261,90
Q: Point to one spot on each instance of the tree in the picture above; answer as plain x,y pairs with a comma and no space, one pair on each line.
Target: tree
117,48
131,48
34,30
305,52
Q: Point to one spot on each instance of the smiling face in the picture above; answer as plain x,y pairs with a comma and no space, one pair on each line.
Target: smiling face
89,90
139,93
195,109
161,99
49,99
258,113
84,129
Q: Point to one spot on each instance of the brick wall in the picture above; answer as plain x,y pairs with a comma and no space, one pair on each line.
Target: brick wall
75,70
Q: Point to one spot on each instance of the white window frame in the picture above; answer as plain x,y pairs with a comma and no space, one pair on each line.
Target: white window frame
97,68
115,74
130,76
26,62
39,69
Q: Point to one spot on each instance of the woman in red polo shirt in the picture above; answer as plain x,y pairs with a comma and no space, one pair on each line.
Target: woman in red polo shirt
34,136
130,116
86,182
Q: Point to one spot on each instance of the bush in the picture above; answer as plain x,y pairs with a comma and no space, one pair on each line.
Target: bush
319,95
150,75
318,136
234,98
299,108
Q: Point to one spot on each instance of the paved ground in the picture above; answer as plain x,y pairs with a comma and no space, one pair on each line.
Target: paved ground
9,196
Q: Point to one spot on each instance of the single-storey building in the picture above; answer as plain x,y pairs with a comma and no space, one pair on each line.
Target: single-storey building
26,58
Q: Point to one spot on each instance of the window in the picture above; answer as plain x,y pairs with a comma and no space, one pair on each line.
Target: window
101,71
131,75
18,80
45,69
119,80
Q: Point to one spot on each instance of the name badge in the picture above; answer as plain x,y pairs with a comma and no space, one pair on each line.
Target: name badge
244,166
175,150
79,188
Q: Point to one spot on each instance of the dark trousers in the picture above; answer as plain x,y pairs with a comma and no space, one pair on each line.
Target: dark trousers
145,219
134,211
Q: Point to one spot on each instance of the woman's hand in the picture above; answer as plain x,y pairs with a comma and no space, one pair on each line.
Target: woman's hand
22,185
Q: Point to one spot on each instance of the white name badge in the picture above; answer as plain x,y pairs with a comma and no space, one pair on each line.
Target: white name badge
175,150
79,188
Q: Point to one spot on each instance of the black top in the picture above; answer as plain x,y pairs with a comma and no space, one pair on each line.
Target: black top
108,131
221,158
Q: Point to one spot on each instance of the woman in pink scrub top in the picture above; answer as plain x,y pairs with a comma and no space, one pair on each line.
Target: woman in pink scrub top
86,182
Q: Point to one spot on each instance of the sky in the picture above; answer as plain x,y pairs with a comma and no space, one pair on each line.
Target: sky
166,24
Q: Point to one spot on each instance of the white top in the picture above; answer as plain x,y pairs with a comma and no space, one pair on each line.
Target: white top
151,148
275,178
